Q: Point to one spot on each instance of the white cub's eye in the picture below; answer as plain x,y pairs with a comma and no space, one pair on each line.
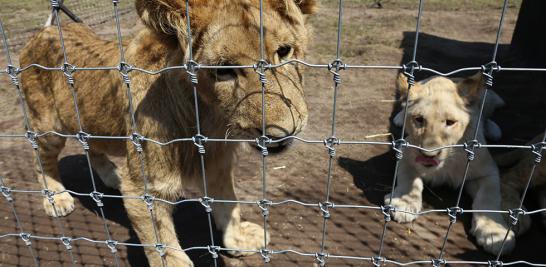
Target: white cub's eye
450,122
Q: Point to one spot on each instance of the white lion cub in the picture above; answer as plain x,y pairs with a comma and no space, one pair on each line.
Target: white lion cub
443,112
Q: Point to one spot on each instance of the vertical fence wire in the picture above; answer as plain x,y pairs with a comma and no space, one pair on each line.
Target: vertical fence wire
4,189
124,70
30,135
199,139
335,67
82,136
474,144
399,145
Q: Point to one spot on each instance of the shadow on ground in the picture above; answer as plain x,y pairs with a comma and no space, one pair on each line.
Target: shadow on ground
192,224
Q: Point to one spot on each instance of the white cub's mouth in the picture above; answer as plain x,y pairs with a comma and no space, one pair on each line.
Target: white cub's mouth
427,161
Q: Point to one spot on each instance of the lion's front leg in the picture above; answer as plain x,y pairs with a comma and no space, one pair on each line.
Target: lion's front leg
407,197
490,229
237,234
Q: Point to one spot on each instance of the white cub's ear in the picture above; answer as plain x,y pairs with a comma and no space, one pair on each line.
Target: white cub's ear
492,131
398,120
471,87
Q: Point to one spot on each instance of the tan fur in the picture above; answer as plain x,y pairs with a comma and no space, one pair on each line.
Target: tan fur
223,32
443,112
515,179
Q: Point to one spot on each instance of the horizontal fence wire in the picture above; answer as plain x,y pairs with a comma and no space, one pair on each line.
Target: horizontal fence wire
330,142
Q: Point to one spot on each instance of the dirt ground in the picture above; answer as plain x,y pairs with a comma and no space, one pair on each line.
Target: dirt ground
454,34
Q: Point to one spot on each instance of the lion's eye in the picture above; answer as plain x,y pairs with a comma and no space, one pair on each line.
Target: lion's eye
419,120
225,74
450,122
284,51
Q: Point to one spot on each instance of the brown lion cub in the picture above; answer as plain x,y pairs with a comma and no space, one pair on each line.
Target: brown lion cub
443,112
224,33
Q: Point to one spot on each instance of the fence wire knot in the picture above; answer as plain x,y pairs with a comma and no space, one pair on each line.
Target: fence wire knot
408,69
266,255
67,242
469,147
160,248
149,200
111,244
97,197
264,205
453,213
213,250
32,139
198,141
495,263
68,70
260,69
324,208
262,142
206,202
83,138
6,191
124,70
191,69
398,146
13,72
137,139
387,211
335,67
321,258
377,260
26,238
514,215
536,149
329,143
487,72
438,262
48,194
55,4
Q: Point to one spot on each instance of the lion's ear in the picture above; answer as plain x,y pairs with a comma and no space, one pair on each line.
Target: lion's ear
164,16
471,87
307,6
402,85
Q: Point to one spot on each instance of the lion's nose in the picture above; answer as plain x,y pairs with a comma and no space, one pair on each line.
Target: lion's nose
430,154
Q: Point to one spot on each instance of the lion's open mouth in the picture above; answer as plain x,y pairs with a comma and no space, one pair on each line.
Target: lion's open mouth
427,161
277,147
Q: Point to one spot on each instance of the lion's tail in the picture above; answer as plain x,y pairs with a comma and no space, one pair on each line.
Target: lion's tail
52,19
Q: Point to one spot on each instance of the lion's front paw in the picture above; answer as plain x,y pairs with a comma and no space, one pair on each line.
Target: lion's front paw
177,258
64,205
404,206
245,236
490,235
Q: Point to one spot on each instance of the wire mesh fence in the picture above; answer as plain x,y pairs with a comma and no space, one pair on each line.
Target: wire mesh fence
336,68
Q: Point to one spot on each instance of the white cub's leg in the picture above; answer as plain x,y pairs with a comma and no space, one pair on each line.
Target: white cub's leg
490,229
407,197
108,172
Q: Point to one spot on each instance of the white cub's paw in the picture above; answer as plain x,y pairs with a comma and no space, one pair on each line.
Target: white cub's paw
64,205
490,235
247,236
405,206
